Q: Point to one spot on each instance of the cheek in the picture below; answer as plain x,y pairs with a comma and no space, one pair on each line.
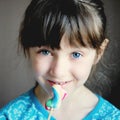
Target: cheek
81,72
40,66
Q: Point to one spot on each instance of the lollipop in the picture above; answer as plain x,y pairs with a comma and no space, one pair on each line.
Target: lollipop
58,95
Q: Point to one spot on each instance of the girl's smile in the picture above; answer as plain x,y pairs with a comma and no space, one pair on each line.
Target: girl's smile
59,83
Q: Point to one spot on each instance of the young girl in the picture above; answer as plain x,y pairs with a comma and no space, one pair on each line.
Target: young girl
64,41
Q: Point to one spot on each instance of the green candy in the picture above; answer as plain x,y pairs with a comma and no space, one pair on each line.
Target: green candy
49,103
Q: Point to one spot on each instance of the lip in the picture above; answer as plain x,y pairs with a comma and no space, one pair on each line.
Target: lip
59,83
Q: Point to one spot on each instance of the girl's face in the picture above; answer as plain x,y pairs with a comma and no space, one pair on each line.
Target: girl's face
68,66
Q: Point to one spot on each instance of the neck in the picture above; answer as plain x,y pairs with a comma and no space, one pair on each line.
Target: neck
83,96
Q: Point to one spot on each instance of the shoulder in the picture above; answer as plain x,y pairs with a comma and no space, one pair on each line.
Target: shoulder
107,110
104,110
17,106
26,107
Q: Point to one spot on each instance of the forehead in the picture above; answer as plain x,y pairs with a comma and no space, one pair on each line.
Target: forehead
65,44
66,41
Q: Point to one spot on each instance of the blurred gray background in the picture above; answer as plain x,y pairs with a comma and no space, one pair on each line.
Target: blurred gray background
15,76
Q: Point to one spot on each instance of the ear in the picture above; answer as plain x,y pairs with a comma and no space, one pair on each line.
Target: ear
100,52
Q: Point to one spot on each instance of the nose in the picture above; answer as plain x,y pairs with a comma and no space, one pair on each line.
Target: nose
59,68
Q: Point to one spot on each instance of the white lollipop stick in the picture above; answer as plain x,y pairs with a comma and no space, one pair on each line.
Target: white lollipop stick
50,113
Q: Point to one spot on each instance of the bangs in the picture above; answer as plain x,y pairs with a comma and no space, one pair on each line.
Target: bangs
46,27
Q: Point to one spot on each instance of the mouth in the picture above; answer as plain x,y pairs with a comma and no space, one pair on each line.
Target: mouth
58,83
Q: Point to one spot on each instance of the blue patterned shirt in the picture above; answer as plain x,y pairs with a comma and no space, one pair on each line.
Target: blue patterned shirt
27,107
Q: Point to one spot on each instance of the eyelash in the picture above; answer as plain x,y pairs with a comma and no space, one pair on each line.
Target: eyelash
44,52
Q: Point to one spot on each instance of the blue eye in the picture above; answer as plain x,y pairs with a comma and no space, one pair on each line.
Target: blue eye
76,55
45,52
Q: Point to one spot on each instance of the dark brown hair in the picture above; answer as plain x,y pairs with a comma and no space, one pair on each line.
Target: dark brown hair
46,21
